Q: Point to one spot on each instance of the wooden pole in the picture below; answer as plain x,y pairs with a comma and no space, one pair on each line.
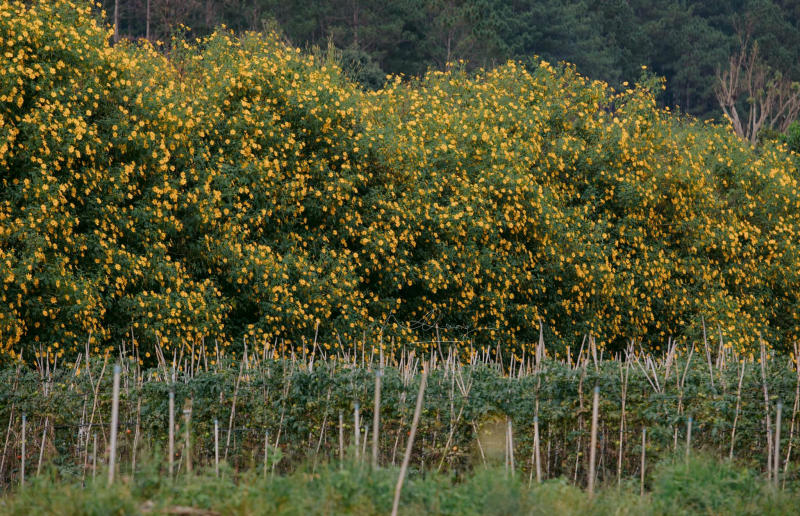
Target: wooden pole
41,447
216,447
356,428
644,444
593,448
688,436
341,436
171,433
410,445
22,455
537,453
376,419
94,456
766,408
112,449
511,446
187,417
777,460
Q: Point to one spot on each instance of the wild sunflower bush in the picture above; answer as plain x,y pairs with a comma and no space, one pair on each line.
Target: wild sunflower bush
235,188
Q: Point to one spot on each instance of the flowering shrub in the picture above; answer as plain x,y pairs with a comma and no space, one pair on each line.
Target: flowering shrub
236,188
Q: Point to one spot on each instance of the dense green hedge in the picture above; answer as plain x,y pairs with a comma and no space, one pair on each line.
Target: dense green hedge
238,189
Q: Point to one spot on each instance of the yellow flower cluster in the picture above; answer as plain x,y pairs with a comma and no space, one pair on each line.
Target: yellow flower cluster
238,189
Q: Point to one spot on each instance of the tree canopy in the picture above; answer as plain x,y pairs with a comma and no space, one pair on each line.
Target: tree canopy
685,41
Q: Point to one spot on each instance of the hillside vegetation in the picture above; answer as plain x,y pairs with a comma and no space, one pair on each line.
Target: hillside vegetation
237,188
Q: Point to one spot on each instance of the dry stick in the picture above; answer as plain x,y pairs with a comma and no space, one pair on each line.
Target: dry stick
41,446
216,447
112,448
766,408
233,410
478,439
644,443
777,460
708,354
94,403
22,454
171,432
738,407
410,445
593,449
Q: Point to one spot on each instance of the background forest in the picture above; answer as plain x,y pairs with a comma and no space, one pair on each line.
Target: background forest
685,41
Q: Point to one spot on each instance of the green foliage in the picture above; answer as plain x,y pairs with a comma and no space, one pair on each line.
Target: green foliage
354,489
301,403
792,137
684,41
702,485
239,190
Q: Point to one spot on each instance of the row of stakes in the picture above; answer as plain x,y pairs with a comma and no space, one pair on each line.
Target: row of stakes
773,462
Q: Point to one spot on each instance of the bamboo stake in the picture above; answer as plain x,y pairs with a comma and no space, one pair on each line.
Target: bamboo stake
777,460
112,453
410,445
593,449
377,414
341,437
766,408
187,416
216,447
41,446
136,435
94,456
738,407
511,446
356,428
96,394
233,410
22,454
537,453
171,433
644,444
794,412
688,436
622,421
708,354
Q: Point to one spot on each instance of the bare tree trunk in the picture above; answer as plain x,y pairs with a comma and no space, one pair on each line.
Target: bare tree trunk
116,21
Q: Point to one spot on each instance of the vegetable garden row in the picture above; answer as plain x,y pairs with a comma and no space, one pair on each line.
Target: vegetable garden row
274,412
